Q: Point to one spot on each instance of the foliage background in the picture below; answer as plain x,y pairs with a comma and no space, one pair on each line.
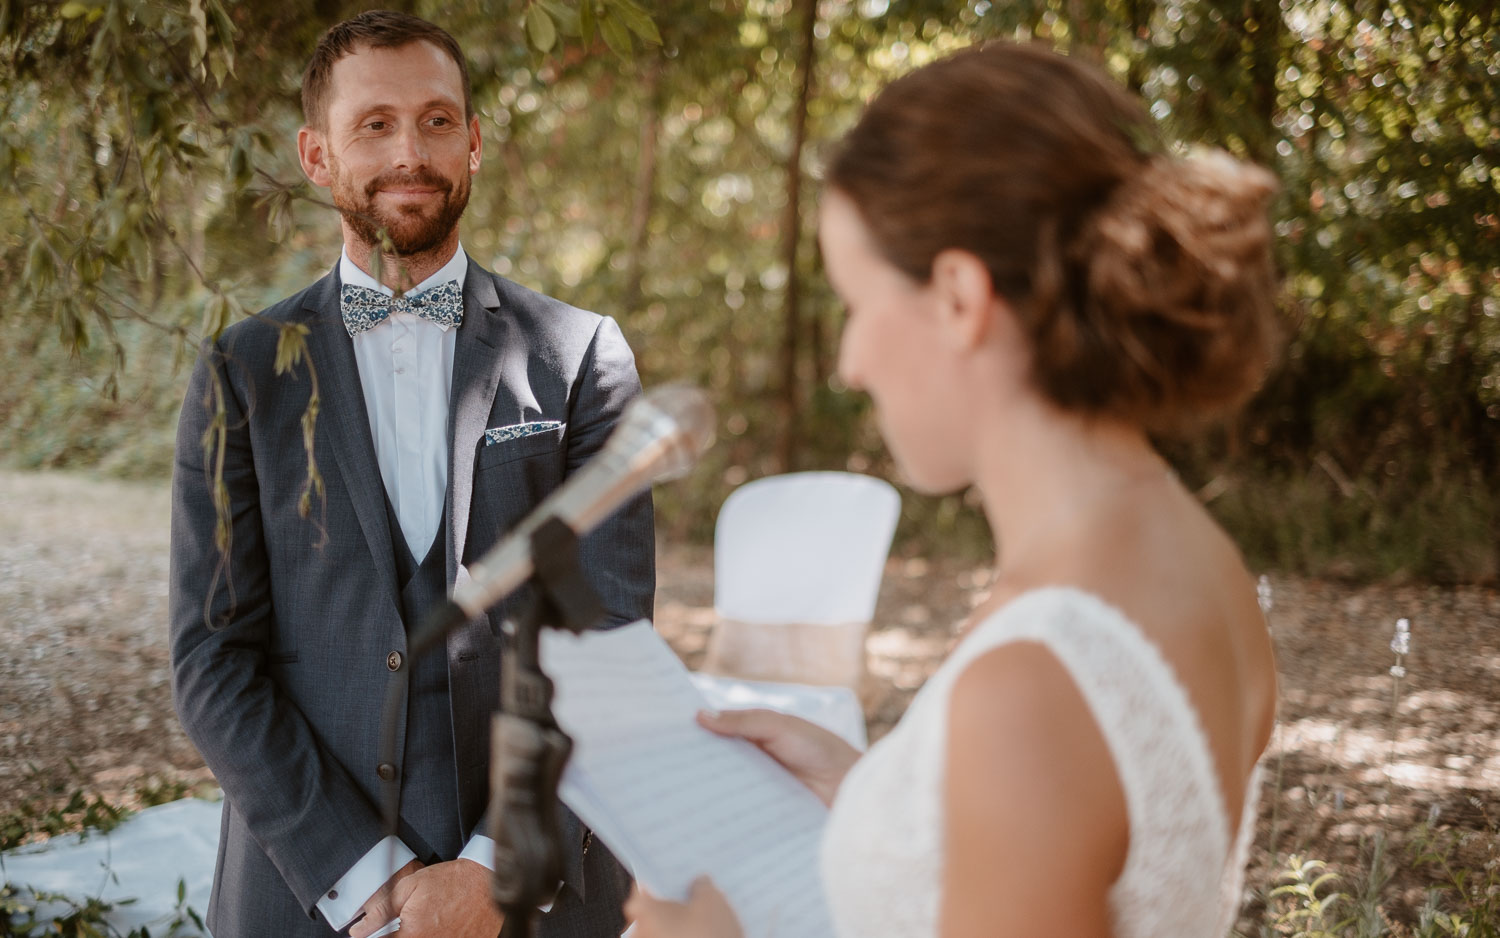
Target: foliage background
151,196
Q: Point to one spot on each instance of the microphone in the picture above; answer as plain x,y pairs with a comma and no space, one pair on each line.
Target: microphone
659,437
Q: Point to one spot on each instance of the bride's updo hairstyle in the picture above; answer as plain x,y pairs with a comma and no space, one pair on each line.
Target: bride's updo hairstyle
1144,281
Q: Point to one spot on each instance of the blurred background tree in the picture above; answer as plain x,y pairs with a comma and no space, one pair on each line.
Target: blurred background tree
658,161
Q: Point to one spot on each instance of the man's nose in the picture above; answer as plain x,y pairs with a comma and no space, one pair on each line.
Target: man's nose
411,149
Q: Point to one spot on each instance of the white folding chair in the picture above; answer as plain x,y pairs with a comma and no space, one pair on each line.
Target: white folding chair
798,560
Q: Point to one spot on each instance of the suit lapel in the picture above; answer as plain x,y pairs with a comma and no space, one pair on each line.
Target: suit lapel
476,375
348,424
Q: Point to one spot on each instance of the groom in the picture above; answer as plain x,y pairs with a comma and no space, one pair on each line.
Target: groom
443,415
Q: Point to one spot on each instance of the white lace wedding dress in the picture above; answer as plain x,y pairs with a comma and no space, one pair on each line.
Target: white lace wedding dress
882,853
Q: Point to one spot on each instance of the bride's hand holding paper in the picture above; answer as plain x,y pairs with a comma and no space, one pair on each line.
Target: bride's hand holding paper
817,757
706,914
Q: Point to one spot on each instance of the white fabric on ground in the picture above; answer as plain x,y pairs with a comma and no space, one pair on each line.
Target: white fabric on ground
142,859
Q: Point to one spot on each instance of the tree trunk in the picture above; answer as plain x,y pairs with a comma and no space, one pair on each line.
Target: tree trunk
645,186
791,230
1264,43
1139,12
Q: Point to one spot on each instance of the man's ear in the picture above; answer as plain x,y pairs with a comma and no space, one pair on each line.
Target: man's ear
312,152
966,296
476,145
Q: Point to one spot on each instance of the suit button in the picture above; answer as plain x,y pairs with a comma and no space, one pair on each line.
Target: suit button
393,661
386,771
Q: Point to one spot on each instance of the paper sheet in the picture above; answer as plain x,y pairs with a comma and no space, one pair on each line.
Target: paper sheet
674,801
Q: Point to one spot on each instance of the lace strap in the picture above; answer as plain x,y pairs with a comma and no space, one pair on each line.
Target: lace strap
1152,730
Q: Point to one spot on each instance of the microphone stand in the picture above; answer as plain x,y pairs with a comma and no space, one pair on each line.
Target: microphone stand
527,748
659,437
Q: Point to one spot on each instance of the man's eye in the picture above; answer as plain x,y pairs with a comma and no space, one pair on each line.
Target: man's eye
375,125
441,122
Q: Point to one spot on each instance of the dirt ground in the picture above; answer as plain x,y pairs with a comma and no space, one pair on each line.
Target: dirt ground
85,691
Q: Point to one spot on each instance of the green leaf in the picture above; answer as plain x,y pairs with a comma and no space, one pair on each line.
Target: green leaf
87,265
199,17
586,21
638,20
215,316
219,67
138,257
240,169
41,271
74,335
222,24
540,29
616,36
73,9
565,17
291,342
630,5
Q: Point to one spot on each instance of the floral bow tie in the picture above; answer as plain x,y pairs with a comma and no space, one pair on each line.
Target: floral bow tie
364,308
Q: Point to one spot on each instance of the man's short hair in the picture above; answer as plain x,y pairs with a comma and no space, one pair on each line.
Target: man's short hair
374,29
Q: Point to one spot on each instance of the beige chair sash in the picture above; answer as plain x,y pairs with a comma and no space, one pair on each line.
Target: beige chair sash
789,653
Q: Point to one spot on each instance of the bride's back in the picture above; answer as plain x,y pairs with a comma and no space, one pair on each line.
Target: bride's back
1159,558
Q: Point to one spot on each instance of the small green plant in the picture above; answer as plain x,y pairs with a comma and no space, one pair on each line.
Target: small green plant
25,913
1434,922
29,913
1368,911
83,812
1469,884
1309,901
154,791
184,913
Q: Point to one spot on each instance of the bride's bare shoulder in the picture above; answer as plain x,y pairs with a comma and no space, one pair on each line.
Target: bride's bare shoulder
1036,824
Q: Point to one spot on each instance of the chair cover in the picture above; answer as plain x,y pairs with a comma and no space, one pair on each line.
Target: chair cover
798,560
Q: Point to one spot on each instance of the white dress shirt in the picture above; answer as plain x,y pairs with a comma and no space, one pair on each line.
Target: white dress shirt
405,370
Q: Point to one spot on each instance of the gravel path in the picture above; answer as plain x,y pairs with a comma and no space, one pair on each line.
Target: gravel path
85,688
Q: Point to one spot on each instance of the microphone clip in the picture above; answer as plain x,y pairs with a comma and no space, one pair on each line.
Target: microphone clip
528,750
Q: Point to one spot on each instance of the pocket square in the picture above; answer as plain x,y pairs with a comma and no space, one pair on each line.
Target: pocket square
517,430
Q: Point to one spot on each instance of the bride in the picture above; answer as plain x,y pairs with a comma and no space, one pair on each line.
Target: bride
1035,286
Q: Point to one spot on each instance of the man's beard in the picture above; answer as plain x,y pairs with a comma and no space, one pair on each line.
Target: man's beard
410,230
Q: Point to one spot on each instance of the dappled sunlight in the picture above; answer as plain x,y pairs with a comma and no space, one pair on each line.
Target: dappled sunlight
904,657
686,627
902,644
1420,758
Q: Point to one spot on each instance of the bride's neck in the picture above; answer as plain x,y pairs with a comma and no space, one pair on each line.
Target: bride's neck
1043,473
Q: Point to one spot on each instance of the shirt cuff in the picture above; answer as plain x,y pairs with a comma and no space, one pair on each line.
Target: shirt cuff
481,850
342,903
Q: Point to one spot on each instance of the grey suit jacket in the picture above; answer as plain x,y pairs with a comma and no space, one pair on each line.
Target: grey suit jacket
280,645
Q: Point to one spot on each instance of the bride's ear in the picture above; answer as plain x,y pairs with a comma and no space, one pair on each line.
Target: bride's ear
966,297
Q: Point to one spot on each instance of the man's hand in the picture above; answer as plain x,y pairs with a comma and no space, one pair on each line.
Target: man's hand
381,907
448,900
